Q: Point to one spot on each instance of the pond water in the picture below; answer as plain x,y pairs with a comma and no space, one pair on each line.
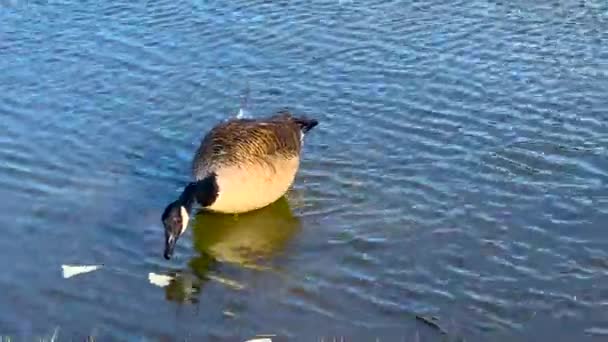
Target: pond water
458,174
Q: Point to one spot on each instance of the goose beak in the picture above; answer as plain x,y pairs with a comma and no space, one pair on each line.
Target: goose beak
175,220
170,242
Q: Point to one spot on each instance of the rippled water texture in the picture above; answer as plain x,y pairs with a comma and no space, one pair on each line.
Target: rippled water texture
459,171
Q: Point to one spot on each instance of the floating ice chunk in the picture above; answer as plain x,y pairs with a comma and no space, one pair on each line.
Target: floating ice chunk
159,280
72,270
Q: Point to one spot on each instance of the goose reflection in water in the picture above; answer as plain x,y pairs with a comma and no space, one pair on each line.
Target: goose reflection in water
247,241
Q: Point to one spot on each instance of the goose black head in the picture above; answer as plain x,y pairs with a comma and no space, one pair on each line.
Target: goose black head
177,214
175,219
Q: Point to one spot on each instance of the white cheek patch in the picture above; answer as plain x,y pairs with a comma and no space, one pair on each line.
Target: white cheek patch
185,219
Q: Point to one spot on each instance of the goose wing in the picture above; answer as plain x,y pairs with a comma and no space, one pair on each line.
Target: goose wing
243,141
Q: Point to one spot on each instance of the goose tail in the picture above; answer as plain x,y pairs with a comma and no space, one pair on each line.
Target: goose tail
306,124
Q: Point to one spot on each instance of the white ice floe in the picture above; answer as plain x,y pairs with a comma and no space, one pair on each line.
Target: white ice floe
72,270
159,280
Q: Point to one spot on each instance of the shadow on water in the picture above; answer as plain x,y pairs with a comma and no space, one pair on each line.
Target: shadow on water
247,241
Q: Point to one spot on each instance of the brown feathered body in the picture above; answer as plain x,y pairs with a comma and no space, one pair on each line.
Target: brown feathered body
253,161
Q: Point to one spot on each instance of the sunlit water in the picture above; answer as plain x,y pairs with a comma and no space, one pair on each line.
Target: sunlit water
459,170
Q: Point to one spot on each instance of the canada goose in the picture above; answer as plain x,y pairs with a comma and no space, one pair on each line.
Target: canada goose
241,165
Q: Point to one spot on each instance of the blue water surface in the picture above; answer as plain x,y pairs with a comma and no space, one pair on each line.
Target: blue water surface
458,174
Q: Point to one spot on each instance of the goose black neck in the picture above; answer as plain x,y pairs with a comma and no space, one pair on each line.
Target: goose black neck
204,191
186,199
